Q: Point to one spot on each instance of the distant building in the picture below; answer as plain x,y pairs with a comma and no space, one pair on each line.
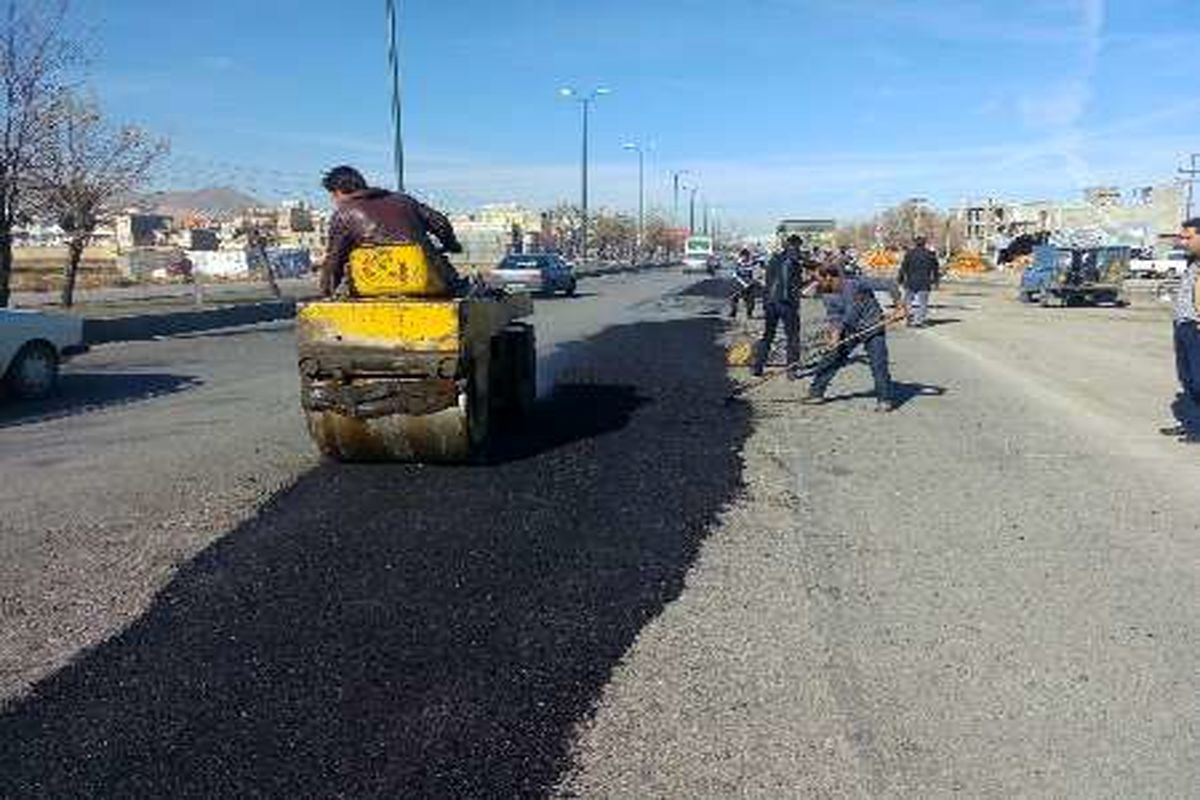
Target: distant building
1148,216
493,231
141,230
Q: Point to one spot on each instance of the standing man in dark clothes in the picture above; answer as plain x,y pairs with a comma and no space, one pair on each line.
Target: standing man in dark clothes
1187,339
853,309
781,303
365,215
746,281
918,275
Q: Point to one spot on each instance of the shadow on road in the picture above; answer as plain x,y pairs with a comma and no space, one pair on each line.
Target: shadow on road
82,392
406,630
902,393
933,323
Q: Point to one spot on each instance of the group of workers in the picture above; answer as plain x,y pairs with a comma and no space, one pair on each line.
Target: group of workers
854,316
365,214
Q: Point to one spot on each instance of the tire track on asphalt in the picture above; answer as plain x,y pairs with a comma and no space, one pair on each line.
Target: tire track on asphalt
407,630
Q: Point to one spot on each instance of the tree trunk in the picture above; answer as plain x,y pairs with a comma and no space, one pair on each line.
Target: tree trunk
6,262
74,256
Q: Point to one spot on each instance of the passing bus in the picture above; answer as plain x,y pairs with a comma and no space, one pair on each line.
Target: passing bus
698,254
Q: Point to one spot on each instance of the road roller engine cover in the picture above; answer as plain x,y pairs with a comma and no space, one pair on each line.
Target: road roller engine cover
401,370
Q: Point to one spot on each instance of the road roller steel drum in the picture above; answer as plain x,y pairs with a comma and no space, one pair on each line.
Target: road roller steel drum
413,379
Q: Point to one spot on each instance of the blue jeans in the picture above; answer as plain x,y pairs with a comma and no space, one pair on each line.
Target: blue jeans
917,302
1187,367
876,347
775,313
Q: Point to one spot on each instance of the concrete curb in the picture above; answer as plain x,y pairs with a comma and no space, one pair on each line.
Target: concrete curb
148,326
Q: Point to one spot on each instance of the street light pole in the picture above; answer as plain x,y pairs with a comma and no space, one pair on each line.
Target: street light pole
675,195
1191,173
641,229
394,62
585,101
692,209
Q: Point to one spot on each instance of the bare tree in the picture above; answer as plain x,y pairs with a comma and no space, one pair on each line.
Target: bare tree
36,56
90,164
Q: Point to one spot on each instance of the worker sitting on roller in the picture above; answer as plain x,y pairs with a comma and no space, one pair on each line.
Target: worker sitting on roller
854,312
366,215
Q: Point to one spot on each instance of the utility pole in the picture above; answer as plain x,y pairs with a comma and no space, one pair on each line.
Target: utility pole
394,63
1191,172
675,195
641,228
585,101
692,210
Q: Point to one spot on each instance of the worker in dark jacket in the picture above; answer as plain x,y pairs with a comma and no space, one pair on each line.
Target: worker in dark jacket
365,215
853,311
781,303
918,275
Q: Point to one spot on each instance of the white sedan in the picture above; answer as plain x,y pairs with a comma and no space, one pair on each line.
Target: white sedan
32,346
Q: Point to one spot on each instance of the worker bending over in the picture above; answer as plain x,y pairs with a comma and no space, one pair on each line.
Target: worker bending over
854,312
366,215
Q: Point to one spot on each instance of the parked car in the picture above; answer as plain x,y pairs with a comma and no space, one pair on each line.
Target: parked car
32,347
537,273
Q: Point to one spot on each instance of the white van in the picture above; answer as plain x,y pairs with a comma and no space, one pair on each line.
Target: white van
698,254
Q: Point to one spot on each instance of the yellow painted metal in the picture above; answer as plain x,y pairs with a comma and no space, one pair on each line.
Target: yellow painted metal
414,325
394,270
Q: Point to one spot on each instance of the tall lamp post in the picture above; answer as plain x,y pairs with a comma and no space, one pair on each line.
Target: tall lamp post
675,195
585,101
692,208
394,63
641,228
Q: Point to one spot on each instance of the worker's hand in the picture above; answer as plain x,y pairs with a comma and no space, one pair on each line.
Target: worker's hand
832,337
899,314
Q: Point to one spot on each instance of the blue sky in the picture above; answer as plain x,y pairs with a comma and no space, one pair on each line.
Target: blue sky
777,107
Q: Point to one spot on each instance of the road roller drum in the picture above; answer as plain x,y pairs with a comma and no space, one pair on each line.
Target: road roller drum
412,378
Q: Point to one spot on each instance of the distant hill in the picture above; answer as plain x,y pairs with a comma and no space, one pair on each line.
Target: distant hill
214,202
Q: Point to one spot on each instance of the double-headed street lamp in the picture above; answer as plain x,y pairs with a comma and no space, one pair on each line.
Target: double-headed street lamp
692,208
641,228
675,194
585,101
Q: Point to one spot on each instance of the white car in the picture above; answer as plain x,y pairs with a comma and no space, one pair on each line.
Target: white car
32,346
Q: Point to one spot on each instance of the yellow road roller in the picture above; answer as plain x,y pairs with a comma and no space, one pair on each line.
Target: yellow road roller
399,370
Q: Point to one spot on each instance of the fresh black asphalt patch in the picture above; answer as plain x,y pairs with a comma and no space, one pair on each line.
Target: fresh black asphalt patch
407,630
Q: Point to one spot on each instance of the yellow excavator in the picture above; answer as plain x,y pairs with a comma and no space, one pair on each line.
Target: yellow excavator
401,370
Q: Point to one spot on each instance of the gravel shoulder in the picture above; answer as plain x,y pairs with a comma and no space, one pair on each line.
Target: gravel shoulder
991,592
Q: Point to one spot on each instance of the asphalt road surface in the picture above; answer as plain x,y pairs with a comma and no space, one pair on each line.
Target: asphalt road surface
991,592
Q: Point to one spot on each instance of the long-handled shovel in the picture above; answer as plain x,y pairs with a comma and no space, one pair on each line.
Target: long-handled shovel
816,360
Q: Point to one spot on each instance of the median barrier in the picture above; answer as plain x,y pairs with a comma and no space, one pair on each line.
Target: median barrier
138,327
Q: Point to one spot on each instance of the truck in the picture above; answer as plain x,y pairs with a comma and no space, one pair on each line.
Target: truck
1169,265
1072,276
